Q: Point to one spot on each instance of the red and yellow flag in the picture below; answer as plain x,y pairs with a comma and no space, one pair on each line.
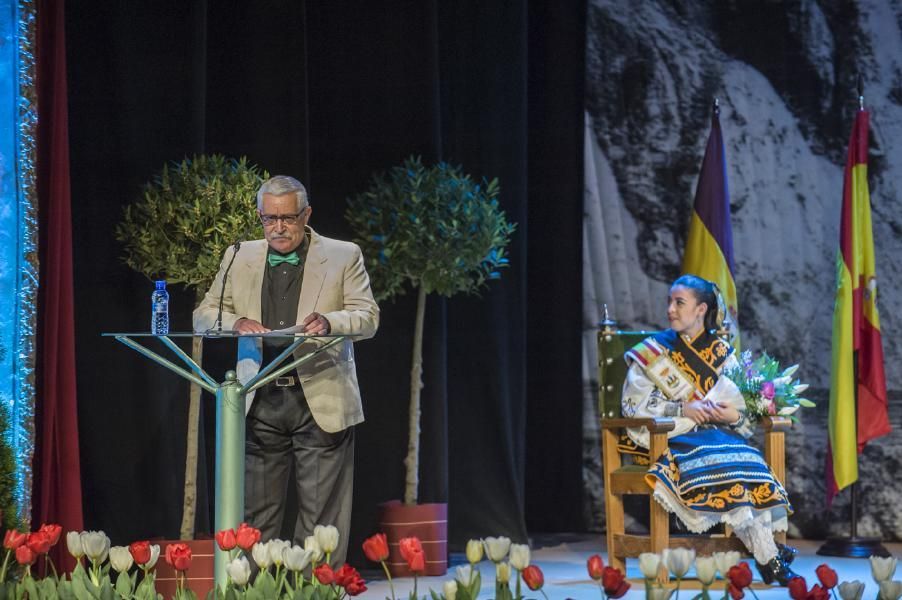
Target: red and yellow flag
856,327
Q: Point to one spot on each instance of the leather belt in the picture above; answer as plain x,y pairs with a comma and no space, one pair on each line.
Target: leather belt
287,381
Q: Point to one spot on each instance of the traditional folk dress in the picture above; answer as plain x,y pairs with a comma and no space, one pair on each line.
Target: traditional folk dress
709,474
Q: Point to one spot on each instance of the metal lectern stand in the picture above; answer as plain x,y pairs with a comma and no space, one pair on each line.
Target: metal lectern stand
230,401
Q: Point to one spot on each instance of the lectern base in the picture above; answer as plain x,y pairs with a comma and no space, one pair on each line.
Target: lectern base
853,547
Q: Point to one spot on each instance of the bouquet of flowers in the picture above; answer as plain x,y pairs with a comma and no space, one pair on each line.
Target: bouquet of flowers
766,388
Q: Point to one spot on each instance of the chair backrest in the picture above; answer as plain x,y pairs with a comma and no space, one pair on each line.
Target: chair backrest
612,368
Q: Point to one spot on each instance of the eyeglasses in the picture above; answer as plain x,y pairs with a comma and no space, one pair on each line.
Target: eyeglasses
271,220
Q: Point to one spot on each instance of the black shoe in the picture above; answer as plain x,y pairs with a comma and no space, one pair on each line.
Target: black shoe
786,553
775,570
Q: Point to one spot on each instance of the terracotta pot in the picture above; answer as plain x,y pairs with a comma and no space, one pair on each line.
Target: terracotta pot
428,522
199,576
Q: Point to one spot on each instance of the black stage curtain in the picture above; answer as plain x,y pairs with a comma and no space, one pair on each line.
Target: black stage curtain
331,92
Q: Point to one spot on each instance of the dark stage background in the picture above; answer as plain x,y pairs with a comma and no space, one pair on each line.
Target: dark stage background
330,92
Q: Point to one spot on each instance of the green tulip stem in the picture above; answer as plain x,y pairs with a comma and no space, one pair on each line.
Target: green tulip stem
753,592
601,589
52,566
519,596
415,578
544,594
5,565
391,586
833,591
298,580
677,597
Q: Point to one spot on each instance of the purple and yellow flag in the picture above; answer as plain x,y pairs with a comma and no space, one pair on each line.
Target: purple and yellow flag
709,247
856,327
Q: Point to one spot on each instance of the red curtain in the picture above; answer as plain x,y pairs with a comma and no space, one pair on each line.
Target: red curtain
56,495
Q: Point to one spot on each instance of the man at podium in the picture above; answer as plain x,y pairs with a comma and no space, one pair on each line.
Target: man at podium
305,421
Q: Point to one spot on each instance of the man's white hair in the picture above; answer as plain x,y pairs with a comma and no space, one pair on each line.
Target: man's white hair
281,185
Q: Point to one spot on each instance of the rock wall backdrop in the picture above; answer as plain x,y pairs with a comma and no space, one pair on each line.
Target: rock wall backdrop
785,74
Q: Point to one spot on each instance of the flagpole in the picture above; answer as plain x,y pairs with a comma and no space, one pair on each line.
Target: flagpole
854,546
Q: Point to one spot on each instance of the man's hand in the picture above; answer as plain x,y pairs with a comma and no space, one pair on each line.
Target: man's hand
316,324
697,410
245,325
722,412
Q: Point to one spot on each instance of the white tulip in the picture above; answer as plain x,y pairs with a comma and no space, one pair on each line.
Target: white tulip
464,575
851,590
96,545
296,558
474,551
790,371
890,590
154,556
882,568
276,547
73,541
799,388
787,410
327,537
239,570
503,573
450,589
121,559
649,564
725,560
519,556
657,592
316,551
260,552
496,548
706,569
679,561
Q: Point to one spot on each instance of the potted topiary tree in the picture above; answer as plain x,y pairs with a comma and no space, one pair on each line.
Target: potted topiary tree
188,215
433,229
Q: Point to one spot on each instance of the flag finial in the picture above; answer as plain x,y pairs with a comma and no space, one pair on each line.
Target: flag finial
716,107
860,93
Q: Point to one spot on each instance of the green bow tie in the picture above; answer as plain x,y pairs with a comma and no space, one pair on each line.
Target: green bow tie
277,259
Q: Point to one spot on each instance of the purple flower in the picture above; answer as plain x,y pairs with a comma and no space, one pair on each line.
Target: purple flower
767,390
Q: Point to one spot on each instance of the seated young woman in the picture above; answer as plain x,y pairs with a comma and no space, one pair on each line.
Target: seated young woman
710,474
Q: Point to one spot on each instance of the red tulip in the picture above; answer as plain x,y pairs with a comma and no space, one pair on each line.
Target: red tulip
53,531
740,575
736,593
227,539
595,566
39,542
614,582
13,539
417,562
358,586
818,593
533,577
324,574
410,546
827,576
140,551
345,575
179,556
246,536
798,588
25,555
376,547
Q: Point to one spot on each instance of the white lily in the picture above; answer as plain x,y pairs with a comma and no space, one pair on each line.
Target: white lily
883,569
503,572
890,590
787,410
851,590
450,589
464,574
316,551
706,569
519,558
296,558
239,570
276,547
799,388
73,541
260,552
96,545
474,551
496,548
725,560
785,380
327,537
679,561
790,371
649,564
121,559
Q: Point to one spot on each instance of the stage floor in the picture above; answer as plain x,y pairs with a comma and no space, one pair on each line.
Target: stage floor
562,558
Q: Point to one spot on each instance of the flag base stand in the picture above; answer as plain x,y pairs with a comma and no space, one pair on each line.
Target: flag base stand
853,547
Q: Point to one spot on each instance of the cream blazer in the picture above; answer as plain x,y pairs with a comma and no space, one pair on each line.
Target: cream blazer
335,285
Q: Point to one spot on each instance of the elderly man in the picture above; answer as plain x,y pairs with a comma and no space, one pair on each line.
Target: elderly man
296,277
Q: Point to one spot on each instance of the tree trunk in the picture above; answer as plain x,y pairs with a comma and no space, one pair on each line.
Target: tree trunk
412,462
189,501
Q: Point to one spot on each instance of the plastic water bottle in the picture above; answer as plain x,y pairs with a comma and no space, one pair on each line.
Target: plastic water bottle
159,319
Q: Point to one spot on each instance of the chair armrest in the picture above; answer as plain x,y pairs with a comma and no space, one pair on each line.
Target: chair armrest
769,424
654,425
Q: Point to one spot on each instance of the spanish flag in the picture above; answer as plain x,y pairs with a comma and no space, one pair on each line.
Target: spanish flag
856,327
709,247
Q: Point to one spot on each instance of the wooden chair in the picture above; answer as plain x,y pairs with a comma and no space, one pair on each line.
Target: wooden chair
623,478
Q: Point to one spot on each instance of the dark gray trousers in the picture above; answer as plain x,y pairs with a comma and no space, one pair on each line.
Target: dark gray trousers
282,433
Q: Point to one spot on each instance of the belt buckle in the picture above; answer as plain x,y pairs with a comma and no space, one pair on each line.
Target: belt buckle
287,381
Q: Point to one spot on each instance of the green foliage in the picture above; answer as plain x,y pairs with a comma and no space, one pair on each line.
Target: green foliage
10,513
429,226
188,215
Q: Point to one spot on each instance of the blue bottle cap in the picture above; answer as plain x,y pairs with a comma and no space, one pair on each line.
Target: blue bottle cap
161,284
